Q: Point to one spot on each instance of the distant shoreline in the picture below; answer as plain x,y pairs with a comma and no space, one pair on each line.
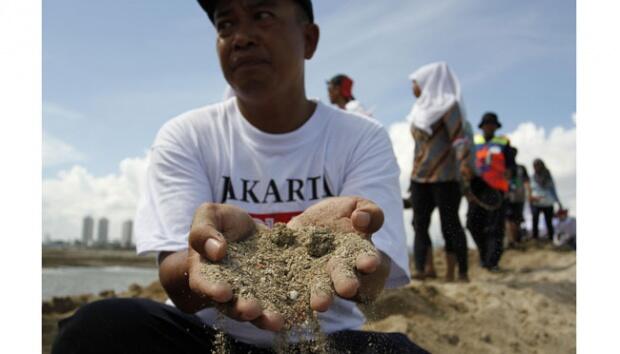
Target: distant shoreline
52,258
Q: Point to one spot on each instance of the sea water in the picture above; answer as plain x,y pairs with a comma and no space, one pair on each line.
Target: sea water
63,281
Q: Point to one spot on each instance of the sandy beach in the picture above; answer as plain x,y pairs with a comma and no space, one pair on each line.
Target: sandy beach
528,308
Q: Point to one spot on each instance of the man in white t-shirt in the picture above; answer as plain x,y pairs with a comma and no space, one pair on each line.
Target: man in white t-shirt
340,91
267,155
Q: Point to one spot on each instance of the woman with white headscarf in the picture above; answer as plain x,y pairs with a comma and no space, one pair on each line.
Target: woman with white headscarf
441,159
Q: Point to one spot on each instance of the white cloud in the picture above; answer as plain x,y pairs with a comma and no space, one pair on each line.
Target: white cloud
57,152
75,193
557,148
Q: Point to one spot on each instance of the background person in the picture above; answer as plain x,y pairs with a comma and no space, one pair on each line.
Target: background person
566,230
340,91
441,155
518,190
543,198
487,225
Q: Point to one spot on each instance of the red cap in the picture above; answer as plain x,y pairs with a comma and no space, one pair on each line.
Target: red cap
345,84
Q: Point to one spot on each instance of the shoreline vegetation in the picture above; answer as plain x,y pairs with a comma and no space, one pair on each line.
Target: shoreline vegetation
529,307
80,257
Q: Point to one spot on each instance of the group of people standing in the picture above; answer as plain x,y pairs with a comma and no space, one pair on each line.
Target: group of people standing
451,162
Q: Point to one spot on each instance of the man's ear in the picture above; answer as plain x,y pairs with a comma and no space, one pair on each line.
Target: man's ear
311,37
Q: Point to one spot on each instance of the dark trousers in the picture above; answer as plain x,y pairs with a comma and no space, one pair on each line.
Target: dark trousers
137,326
548,212
487,230
447,197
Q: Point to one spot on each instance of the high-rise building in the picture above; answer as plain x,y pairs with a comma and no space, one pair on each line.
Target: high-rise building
126,236
88,226
102,232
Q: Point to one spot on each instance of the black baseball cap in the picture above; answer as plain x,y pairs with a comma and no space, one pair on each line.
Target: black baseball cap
490,117
209,7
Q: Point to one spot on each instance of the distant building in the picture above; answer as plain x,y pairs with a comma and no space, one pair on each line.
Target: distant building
126,236
102,232
88,227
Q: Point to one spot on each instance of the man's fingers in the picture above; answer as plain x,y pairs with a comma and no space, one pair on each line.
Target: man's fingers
204,236
320,302
269,321
208,242
344,279
367,263
215,249
215,224
343,214
242,309
367,217
213,289
217,291
321,297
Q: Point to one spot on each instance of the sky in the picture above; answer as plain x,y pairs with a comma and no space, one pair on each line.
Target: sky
115,71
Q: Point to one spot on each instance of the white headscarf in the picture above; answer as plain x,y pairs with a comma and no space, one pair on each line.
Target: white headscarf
440,90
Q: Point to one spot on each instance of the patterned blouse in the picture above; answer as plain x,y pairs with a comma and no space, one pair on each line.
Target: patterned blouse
438,157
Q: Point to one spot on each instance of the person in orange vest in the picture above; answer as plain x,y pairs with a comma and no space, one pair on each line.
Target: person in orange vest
485,222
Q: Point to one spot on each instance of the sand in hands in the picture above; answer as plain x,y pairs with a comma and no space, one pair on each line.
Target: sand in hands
281,267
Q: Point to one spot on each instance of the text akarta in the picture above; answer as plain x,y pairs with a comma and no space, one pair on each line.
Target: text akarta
263,192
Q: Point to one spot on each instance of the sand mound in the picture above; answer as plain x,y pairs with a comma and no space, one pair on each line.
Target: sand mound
528,308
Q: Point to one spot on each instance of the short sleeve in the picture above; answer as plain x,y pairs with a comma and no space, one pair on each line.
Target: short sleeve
373,173
176,184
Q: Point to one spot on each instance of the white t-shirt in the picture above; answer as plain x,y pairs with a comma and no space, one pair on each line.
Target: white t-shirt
355,106
213,154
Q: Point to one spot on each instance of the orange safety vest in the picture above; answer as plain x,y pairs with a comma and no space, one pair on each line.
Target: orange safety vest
491,162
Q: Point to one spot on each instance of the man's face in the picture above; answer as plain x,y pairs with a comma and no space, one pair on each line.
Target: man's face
262,45
334,93
489,129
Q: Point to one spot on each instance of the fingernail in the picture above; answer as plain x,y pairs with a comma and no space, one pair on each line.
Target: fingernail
213,244
363,219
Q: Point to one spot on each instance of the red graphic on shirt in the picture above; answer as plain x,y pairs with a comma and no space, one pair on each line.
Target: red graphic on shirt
272,219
